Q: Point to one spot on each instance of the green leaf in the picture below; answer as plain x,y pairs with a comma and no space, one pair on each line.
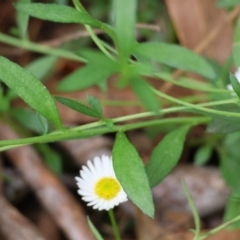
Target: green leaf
194,210
235,84
131,174
41,66
51,158
202,155
78,107
109,123
22,20
30,89
230,163
94,230
176,56
94,72
143,91
223,125
56,13
30,119
125,15
43,123
227,3
166,155
230,168
95,104
236,44
232,210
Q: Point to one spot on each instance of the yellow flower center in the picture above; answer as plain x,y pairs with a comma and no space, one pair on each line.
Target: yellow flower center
107,188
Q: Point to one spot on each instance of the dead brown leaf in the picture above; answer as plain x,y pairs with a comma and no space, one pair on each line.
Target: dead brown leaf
194,20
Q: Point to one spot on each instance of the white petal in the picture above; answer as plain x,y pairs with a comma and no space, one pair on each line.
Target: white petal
89,198
89,175
93,202
91,167
237,74
98,166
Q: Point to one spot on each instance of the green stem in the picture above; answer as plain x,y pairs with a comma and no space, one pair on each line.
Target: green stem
79,6
40,48
74,133
97,41
189,83
197,107
97,128
114,225
193,209
151,114
217,229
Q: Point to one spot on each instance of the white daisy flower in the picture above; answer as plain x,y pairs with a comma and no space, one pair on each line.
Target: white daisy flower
99,186
237,75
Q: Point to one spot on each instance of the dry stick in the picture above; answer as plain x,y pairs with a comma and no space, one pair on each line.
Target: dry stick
205,43
84,33
55,198
72,36
13,225
1,175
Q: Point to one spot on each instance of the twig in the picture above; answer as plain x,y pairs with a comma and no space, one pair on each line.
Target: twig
13,225
55,198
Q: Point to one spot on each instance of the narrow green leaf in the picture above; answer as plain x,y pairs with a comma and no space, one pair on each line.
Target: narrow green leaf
193,210
95,104
94,230
176,56
235,84
143,91
232,210
51,158
131,174
78,107
227,3
43,123
30,89
202,155
166,155
223,125
236,44
92,73
30,119
56,13
22,20
109,123
125,15
41,66
230,168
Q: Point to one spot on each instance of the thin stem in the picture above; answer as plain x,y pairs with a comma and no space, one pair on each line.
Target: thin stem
151,114
219,228
74,133
197,107
98,42
114,225
40,48
193,209
78,5
189,83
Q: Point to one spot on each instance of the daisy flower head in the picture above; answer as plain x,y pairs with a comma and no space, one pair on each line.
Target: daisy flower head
237,75
98,184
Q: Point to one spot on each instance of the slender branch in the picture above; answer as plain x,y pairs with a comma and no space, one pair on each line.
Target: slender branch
40,48
73,133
